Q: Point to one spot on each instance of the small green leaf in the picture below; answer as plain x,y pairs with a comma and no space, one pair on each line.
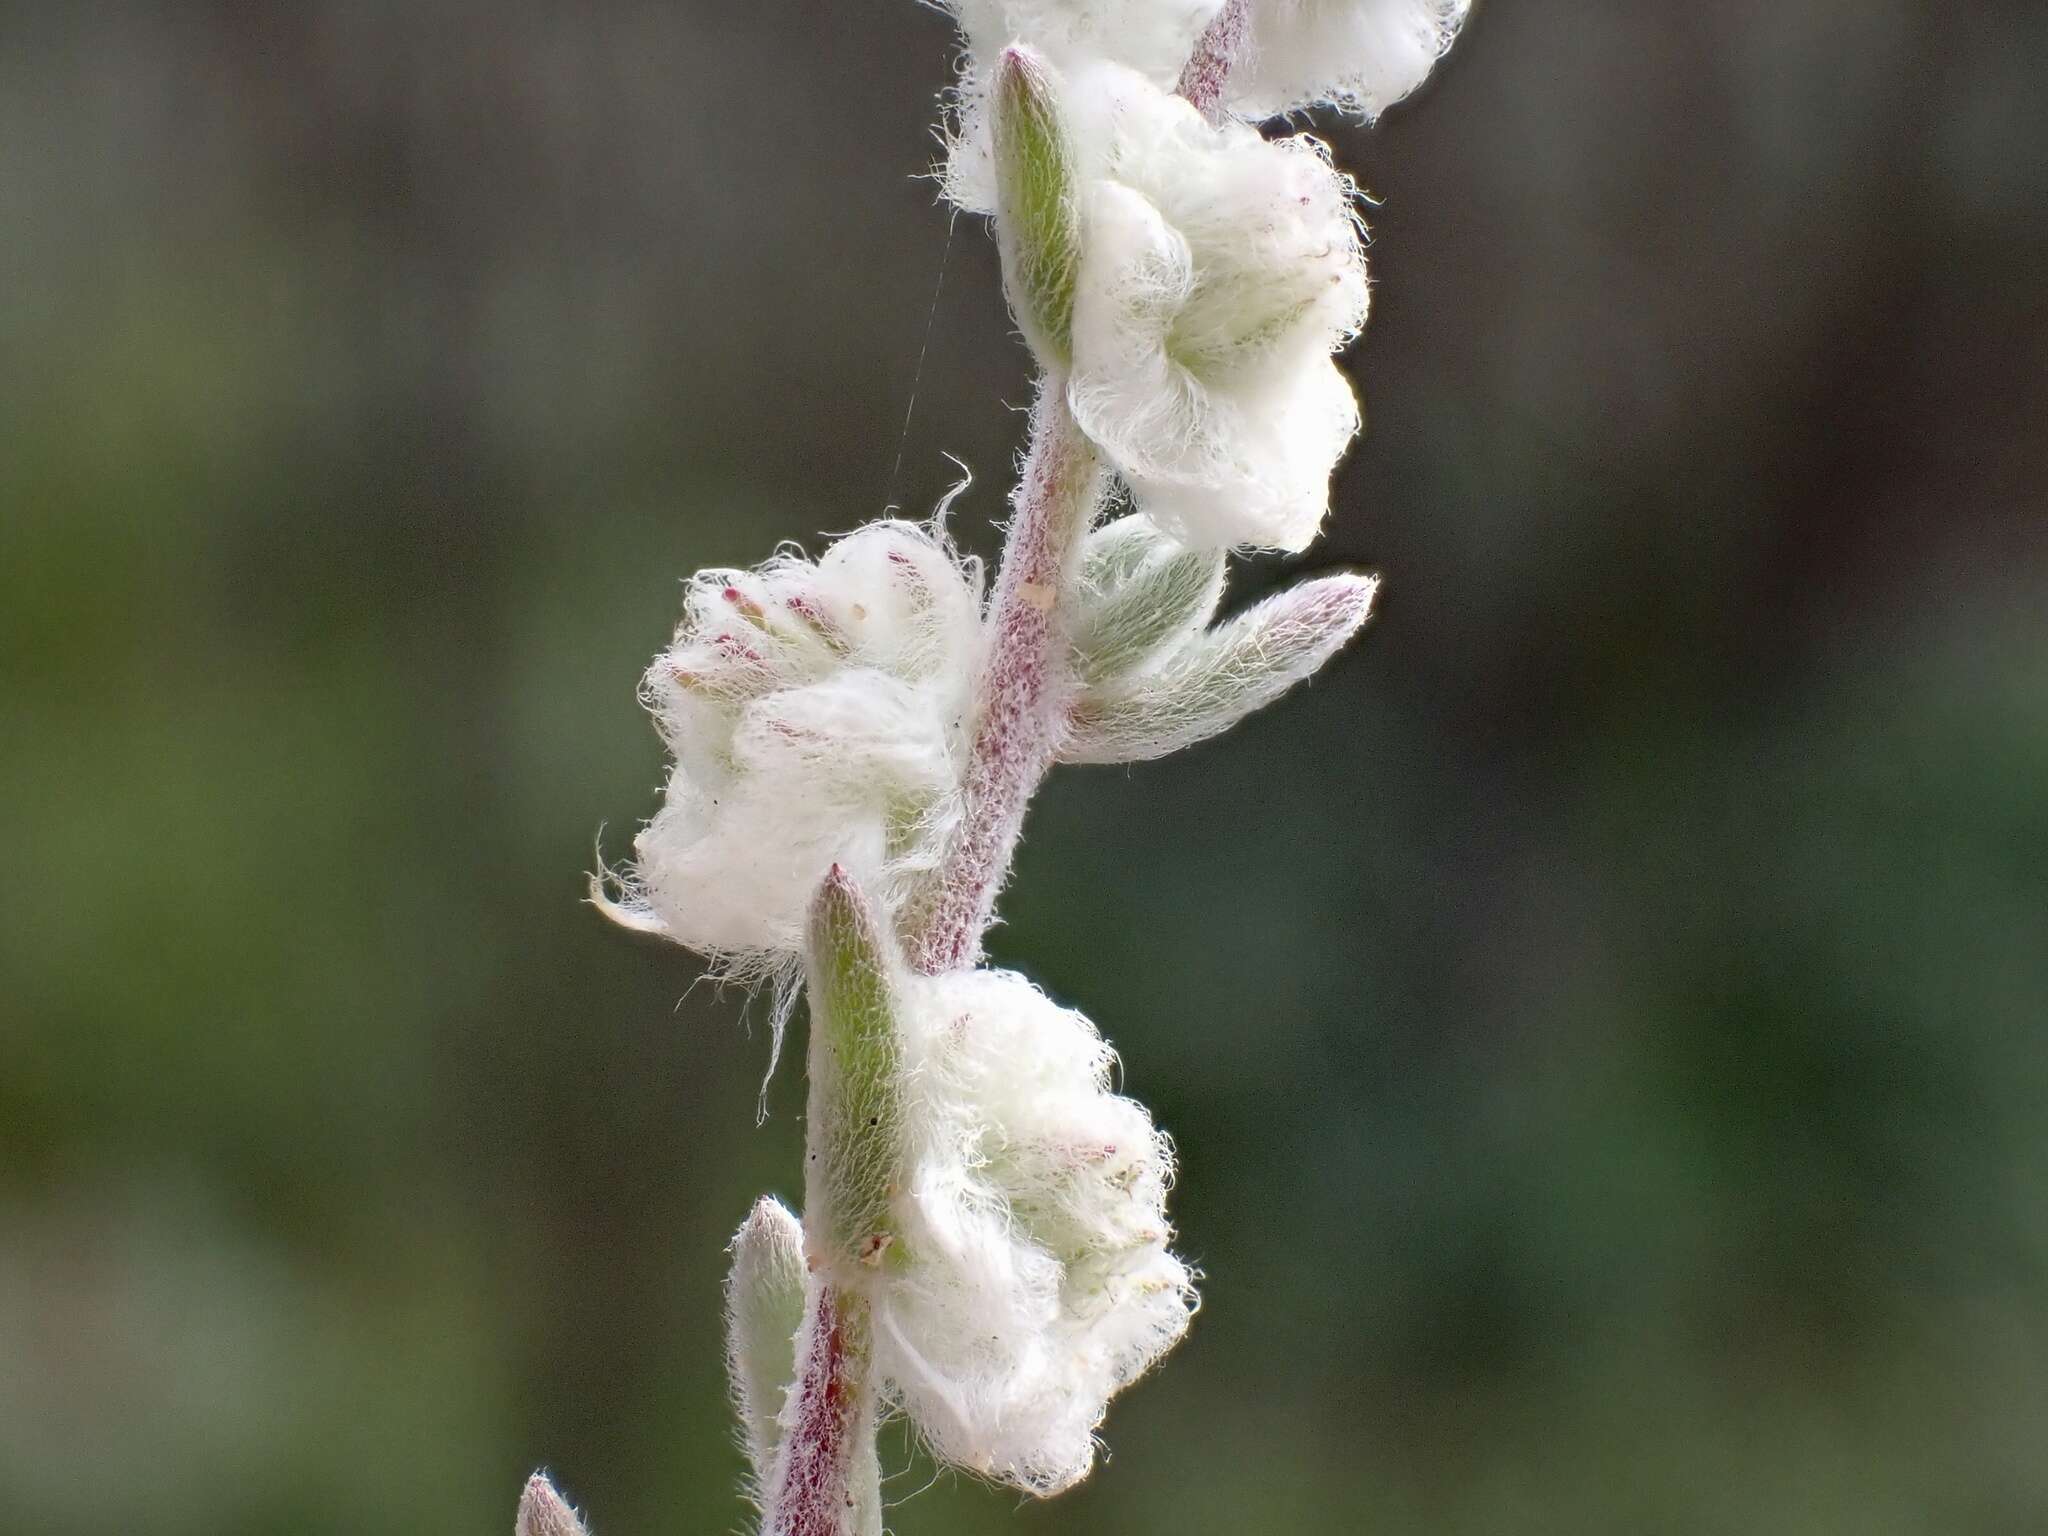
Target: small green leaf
1117,551
1141,591
1037,222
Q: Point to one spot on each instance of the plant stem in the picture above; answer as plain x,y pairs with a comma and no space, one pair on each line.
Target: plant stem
1222,43
826,1480
1025,685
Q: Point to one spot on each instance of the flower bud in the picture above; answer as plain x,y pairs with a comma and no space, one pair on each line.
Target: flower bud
1141,592
764,1308
1220,677
856,1073
1036,218
816,713
543,1511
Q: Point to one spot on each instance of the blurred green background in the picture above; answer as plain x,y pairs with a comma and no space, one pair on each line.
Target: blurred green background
1603,1020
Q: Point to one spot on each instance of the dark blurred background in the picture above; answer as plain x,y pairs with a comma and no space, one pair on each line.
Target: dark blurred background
1603,1020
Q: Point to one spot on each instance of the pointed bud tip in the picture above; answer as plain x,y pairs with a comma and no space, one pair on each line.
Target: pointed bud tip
769,1218
838,891
544,1512
1348,595
841,888
1019,62
768,1211
1024,81
843,921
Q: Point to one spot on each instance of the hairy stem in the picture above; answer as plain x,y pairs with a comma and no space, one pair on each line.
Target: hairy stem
1222,44
1025,686
826,1482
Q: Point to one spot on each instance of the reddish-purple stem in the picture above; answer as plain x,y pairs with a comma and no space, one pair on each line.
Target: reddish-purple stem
813,1493
1024,687
1217,51
1024,696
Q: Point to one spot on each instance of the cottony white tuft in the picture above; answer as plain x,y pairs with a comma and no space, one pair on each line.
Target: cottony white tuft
1361,55
1033,1280
1364,55
1151,36
816,713
1219,271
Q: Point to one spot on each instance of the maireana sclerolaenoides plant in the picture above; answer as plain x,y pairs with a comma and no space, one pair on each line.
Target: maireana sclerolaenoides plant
984,1245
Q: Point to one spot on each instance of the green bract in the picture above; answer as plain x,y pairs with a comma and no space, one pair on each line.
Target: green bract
1140,592
855,1111
1037,219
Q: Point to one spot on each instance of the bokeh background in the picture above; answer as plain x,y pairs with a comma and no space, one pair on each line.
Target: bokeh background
1603,1019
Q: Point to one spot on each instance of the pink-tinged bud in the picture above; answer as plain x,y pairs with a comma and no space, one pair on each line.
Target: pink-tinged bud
1221,676
544,1512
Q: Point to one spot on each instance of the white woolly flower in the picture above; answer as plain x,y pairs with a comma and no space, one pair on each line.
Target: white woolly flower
1034,1280
1153,37
1218,273
1364,55
816,714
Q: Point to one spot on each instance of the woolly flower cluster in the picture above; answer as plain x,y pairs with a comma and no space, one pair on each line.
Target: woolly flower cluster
816,714
1034,1280
1210,274
1218,273
1363,55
